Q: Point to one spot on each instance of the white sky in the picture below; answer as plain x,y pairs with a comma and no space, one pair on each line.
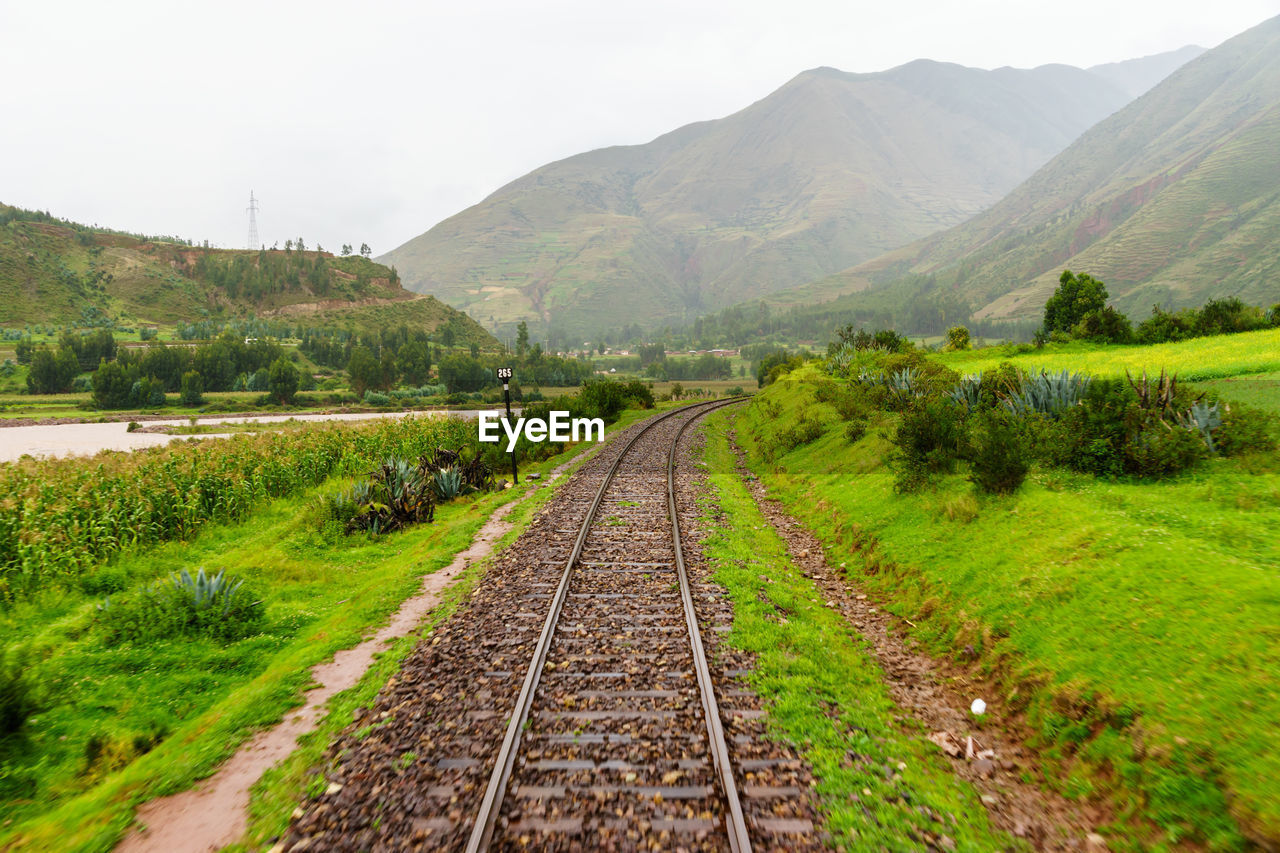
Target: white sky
373,121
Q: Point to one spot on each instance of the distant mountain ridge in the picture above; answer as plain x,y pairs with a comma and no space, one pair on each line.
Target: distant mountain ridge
1173,200
831,169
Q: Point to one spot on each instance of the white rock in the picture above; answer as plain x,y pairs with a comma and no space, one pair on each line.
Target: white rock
978,707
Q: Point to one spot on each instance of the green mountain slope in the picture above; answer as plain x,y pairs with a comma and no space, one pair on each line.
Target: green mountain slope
1171,201
831,169
58,272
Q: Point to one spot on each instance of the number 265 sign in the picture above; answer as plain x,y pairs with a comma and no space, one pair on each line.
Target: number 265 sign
504,373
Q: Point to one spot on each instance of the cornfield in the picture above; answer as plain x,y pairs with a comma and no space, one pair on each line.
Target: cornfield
61,517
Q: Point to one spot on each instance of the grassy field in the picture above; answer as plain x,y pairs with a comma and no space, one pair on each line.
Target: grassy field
1135,624
811,663
1218,357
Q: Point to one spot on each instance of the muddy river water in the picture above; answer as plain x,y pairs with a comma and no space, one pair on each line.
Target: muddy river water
87,439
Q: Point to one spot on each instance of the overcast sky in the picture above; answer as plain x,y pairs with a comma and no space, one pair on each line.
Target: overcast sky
371,122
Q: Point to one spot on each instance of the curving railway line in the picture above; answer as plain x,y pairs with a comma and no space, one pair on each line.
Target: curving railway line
573,705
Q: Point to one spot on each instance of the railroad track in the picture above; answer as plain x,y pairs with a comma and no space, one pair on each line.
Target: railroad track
616,738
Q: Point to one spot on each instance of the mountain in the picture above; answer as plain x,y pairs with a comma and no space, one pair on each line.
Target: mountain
1173,200
1137,76
829,170
57,272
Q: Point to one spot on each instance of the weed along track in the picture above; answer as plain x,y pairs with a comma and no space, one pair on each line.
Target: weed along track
571,705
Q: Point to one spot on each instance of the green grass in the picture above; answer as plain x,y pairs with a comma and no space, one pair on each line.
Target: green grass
1256,391
1216,357
1135,623
824,690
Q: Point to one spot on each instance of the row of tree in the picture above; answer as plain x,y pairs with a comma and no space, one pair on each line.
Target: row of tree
1078,309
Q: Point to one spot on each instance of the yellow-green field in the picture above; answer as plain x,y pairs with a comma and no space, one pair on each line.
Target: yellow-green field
1215,357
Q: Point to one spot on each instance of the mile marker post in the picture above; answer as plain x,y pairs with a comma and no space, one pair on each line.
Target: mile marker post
504,373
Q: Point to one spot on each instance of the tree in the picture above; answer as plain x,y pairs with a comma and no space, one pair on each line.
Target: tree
1075,297
51,373
448,336
1105,326
112,384
365,250
414,363
346,249
464,373
957,338
192,392
522,339
282,380
363,370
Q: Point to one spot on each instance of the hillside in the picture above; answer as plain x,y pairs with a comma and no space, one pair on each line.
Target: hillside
831,169
58,272
1172,200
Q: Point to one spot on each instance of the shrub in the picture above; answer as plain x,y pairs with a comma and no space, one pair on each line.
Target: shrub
1158,449
957,338
18,691
1112,433
1105,325
215,606
929,439
606,398
855,430
998,452
376,398
1245,430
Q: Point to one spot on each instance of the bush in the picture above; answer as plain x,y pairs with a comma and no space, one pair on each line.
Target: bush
998,452
216,606
929,439
957,338
1105,325
606,398
804,431
1245,430
1111,434
18,692
376,398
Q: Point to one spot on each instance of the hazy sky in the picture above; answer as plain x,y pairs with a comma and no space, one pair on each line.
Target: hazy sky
373,121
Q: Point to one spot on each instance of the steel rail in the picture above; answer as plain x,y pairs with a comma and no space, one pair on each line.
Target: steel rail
490,806
735,823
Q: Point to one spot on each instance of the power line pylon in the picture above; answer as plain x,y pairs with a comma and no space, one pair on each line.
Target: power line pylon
253,222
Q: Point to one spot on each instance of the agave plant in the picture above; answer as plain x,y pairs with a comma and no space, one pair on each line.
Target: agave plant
839,358
1204,419
1048,393
206,592
398,494
905,382
1155,396
966,394
866,377
447,483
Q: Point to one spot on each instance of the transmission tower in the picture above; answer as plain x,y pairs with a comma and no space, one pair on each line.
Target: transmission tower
253,222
